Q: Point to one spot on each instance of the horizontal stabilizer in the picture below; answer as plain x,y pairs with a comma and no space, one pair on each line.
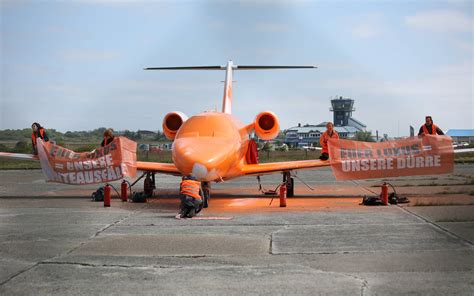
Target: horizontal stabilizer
187,68
239,67
234,67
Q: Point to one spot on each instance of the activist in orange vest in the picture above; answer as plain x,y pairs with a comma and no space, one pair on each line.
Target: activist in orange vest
330,133
108,137
429,128
37,132
191,197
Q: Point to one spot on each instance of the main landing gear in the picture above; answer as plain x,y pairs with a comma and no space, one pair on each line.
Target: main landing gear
290,184
148,184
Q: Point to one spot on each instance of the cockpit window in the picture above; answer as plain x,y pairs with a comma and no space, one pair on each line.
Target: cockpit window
207,126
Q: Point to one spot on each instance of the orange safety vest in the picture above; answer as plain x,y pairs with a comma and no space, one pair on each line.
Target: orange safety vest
433,129
324,140
191,188
33,136
107,141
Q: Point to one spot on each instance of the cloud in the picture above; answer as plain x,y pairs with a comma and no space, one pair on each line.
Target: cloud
441,21
77,55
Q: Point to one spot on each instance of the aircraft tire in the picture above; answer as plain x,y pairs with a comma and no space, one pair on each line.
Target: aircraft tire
290,188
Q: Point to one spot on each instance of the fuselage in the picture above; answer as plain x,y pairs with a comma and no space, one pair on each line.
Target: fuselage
211,146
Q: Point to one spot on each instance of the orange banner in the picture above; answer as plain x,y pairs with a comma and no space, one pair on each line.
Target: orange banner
112,162
425,155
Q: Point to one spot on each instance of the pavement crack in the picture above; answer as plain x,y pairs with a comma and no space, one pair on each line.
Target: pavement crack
435,225
19,273
364,283
98,232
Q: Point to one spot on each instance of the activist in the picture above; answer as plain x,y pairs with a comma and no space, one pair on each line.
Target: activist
108,137
191,197
429,128
37,132
323,140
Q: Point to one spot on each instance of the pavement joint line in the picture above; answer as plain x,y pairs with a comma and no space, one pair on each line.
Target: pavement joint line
68,252
439,227
270,250
264,225
369,252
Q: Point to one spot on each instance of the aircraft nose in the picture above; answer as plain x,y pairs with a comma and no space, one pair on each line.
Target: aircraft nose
206,158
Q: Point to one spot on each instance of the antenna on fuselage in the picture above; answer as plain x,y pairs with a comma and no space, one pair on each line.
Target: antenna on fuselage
229,68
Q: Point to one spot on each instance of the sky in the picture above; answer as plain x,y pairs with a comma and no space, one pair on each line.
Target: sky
78,65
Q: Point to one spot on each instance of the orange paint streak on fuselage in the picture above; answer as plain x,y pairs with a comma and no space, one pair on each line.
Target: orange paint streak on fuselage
211,146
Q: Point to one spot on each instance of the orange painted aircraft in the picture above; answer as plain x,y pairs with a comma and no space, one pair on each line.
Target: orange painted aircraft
213,146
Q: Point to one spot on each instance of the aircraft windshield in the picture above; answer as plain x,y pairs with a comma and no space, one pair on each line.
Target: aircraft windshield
207,126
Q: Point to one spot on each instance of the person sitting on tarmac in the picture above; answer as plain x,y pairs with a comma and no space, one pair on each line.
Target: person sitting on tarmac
429,128
323,140
108,137
37,132
191,197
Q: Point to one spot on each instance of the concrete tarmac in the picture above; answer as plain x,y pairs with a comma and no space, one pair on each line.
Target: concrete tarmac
54,240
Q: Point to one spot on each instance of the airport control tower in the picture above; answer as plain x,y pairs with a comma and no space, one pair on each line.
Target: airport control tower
342,108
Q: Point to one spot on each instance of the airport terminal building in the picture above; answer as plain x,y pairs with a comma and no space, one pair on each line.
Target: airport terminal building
461,135
344,124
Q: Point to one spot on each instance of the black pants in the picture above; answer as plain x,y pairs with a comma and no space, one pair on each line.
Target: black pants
324,156
190,206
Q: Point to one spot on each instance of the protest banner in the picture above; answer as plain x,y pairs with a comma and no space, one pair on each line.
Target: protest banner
424,155
112,162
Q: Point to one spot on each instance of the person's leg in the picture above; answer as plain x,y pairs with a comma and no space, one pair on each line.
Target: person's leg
186,205
195,207
199,205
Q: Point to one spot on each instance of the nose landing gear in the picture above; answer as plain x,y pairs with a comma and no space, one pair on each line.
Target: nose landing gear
206,189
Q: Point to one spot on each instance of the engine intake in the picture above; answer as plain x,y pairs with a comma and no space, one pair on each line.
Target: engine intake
266,125
172,123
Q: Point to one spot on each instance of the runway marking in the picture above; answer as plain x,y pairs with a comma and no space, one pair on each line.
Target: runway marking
204,218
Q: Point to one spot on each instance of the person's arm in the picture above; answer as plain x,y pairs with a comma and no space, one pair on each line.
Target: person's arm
45,136
102,144
321,140
439,131
421,131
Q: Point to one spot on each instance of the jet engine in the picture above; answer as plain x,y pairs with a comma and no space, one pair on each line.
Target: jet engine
266,125
172,123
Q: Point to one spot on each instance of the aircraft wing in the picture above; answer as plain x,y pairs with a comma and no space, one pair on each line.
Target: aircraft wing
272,167
19,156
464,150
164,168
157,167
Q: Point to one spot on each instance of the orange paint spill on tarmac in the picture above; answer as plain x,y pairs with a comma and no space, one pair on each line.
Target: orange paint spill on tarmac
244,205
